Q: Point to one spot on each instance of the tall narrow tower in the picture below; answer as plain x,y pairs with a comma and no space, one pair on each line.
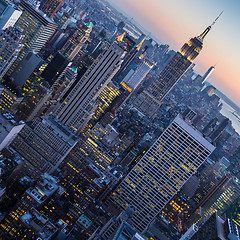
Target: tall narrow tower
36,28
207,74
76,108
150,99
161,172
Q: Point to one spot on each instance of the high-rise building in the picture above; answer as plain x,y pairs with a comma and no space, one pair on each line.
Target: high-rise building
161,172
9,14
44,143
36,28
150,99
33,197
104,100
76,41
76,109
9,129
55,68
207,74
131,81
26,67
233,211
10,41
216,227
219,129
222,195
50,7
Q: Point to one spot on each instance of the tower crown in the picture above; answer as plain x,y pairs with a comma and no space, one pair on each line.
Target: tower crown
207,30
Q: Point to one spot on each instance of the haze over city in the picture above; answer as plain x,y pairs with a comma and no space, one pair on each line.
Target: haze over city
174,22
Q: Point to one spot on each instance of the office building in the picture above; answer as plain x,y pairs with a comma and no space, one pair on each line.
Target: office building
26,67
208,129
55,68
104,100
207,74
216,227
76,109
134,78
190,232
161,172
10,41
10,97
74,44
150,99
34,102
221,199
33,197
128,60
39,29
233,210
44,143
218,198
9,14
50,7
219,130
9,128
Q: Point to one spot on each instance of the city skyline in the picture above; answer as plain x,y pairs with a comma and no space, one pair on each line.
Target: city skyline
220,48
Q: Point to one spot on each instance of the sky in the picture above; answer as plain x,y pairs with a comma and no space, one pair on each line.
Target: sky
174,22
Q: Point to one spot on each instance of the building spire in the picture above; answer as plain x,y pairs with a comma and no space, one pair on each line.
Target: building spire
206,31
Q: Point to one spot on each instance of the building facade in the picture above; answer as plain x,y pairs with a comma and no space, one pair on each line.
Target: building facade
161,172
150,99
76,41
76,108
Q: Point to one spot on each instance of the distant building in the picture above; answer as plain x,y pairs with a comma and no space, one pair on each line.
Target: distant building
73,45
150,99
50,7
134,78
207,74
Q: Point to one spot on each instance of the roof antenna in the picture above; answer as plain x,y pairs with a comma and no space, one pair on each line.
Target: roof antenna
216,19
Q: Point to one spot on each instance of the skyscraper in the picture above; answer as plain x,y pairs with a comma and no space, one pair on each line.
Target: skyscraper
36,28
150,99
161,172
219,129
10,40
134,78
50,7
9,14
44,143
207,74
76,108
55,68
76,41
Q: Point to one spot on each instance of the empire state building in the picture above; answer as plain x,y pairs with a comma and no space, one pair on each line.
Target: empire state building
150,99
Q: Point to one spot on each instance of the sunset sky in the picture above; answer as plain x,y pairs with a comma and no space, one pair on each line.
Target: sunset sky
174,22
